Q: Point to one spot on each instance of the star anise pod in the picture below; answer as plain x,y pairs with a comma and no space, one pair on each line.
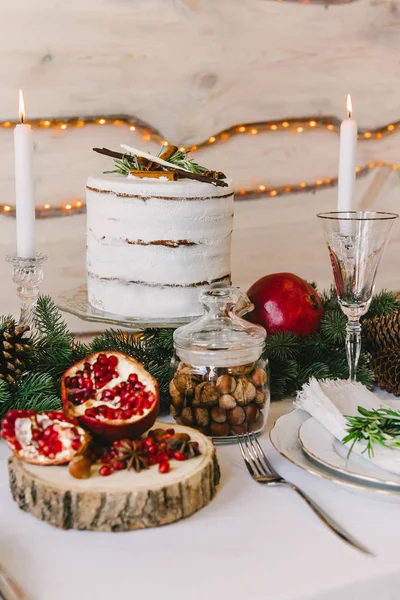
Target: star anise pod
181,442
131,452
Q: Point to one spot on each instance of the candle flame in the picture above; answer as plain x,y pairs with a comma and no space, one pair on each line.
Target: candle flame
349,105
21,106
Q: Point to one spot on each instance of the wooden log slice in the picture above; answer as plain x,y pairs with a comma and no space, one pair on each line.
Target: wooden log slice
125,500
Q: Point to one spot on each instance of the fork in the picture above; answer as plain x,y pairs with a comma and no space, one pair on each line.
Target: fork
263,472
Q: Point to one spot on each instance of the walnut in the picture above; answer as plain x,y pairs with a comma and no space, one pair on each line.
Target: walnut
185,382
206,394
177,399
202,416
219,429
227,401
245,392
187,416
218,414
236,416
225,384
259,377
241,369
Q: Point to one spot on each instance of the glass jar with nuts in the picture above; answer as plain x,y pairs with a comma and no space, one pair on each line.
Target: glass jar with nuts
220,383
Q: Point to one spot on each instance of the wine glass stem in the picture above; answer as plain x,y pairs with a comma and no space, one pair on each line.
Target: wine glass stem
353,346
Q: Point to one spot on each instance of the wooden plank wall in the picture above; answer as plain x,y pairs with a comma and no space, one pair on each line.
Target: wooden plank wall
190,68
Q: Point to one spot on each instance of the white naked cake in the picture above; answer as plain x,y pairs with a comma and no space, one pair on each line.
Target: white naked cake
153,244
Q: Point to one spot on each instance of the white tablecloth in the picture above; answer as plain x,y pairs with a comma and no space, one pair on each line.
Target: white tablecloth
251,542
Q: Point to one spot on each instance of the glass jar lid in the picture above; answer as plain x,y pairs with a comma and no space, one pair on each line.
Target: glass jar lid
220,338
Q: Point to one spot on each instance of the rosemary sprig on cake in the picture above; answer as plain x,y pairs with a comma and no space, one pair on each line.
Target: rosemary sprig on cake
380,426
170,161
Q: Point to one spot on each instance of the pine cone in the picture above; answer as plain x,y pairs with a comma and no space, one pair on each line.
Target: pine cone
14,350
382,332
386,367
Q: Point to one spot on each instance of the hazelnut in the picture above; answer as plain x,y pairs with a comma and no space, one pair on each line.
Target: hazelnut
219,429
241,369
236,416
218,414
259,377
227,401
187,416
252,412
258,424
239,429
184,382
225,384
245,391
80,467
202,416
261,398
206,394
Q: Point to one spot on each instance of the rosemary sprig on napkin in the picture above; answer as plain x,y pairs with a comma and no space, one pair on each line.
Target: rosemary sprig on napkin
380,426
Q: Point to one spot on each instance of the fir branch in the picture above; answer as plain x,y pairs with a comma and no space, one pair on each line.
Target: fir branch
282,346
333,325
31,391
5,320
49,322
384,303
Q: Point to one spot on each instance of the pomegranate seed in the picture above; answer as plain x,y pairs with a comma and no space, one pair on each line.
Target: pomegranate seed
106,459
179,456
170,431
105,470
17,445
152,449
148,441
152,460
113,360
102,359
67,381
133,378
76,444
162,457
108,394
90,412
119,465
164,467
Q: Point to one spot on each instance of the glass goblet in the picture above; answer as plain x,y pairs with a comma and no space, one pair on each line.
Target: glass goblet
356,241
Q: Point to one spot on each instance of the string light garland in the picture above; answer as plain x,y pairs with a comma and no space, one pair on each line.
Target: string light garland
297,125
78,206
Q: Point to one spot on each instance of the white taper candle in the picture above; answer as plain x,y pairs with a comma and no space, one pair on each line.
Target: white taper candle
347,162
24,196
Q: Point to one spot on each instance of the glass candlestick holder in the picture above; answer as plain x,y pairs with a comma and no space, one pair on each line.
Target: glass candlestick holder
27,274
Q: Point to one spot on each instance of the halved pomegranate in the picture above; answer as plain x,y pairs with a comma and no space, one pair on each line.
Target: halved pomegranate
47,438
111,394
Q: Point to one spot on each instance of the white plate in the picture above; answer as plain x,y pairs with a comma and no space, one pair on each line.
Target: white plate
323,448
284,438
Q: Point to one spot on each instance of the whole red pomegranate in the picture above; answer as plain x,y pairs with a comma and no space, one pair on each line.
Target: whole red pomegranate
111,394
47,438
285,302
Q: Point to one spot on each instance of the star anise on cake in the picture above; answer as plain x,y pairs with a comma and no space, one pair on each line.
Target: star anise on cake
181,442
132,453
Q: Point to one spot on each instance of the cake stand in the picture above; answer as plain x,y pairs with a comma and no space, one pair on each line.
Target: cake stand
75,302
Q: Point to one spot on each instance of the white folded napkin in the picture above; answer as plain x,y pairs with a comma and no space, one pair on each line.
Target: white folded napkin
329,400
